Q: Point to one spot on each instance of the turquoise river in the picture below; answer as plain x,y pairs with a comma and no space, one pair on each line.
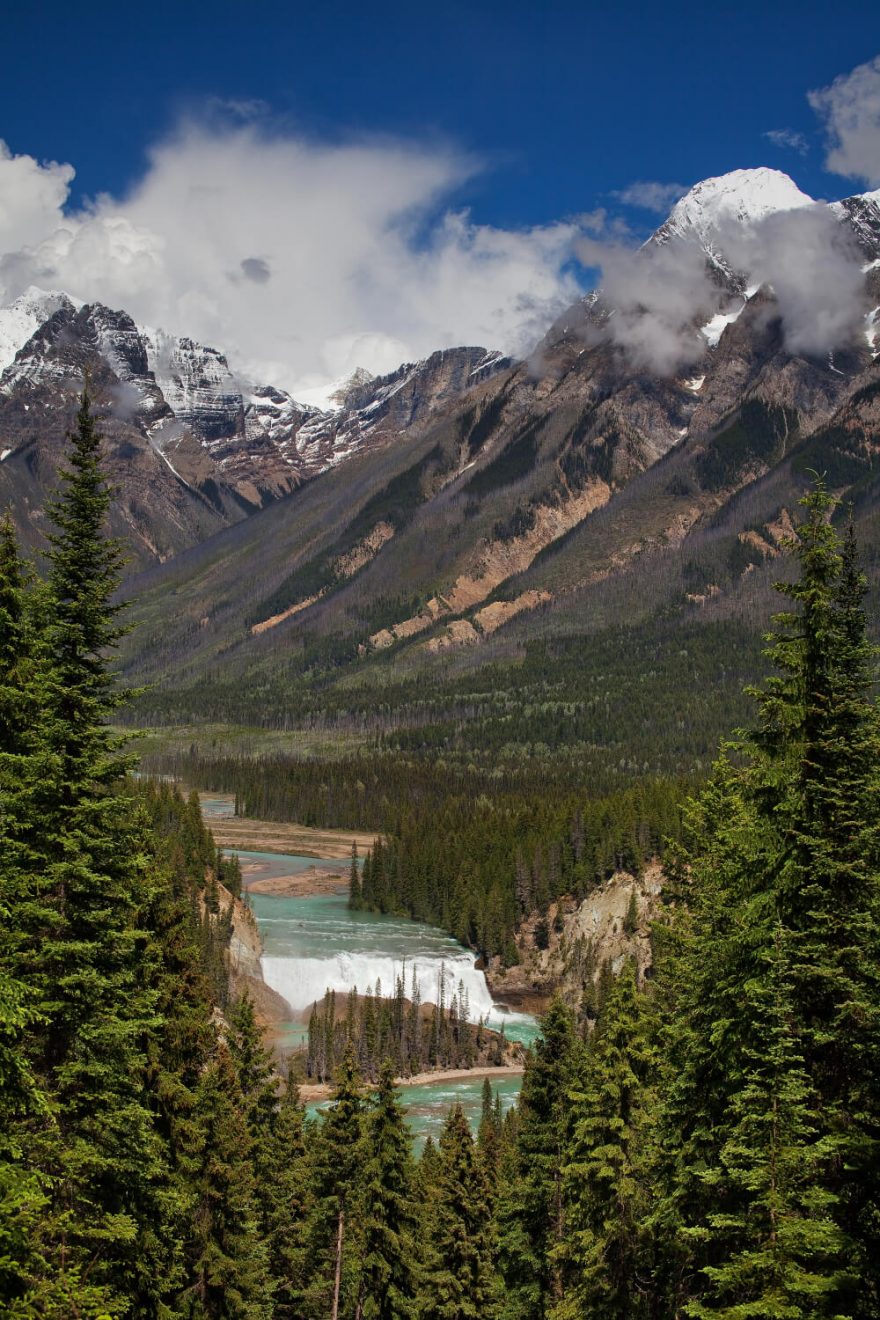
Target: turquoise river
314,943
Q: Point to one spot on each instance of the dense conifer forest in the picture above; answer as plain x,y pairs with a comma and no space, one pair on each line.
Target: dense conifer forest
709,1146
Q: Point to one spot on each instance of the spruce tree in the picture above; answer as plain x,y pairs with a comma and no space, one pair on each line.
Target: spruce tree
457,1232
530,1204
76,900
599,1255
387,1287
228,1277
780,882
336,1224
287,1203
777,1251
355,893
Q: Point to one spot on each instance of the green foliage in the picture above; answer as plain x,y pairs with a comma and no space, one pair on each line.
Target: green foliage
456,1230
388,1251
760,435
531,1204
603,1183
769,1124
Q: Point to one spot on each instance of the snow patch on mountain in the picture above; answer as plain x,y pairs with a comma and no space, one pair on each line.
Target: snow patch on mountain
23,318
740,197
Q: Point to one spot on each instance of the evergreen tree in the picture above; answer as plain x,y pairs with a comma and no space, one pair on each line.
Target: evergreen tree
287,1198
489,1138
603,1184
531,1205
781,890
257,1081
75,896
386,1285
355,893
777,1249
228,1271
336,1222
21,1198
457,1232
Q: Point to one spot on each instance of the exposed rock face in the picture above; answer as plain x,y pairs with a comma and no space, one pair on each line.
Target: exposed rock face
192,447
593,934
243,957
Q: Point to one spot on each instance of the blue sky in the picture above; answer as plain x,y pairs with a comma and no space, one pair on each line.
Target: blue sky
489,127
568,101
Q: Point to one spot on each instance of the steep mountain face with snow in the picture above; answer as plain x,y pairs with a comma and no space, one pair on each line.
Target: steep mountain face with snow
513,499
451,485
741,197
192,447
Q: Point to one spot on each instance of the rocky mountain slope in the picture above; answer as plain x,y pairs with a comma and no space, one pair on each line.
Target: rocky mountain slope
549,477
192,448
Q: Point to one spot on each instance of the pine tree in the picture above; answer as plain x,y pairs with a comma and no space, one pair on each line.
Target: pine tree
257,1081
355,893
75,896
603,1185
228,1272
782,854
530,1205
336,1222
387,1285
287,1199
21,1197
489,1138
457,1232
777,1250
820,718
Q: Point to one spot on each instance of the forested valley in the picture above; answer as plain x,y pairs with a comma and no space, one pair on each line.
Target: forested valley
706,1144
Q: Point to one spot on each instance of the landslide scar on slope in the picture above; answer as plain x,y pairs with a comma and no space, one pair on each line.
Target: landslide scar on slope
499,560
344,567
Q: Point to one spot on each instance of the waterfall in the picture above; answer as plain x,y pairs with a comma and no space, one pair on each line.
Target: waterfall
304,979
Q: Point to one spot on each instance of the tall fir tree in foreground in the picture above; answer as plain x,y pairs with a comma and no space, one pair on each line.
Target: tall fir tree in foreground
769,1126
75,897
387,1283
22,1200
458,1279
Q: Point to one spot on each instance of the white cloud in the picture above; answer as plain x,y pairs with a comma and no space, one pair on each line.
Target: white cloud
301,260
651,195
788,139
814,268
655,293
850,108
31,197
661,294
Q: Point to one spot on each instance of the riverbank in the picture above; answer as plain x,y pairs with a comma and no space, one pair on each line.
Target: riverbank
299,884
249,835
310,1092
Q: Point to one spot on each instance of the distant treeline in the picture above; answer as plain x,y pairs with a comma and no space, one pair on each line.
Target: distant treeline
415,1037
471,850
607,708
477,867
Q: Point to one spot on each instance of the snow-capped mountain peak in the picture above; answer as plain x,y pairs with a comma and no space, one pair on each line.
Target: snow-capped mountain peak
742,196
21,318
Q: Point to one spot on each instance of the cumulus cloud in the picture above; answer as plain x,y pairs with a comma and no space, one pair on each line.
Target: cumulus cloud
850,108
302,260
31,197
651,195
814,268
788,139
655,293
660,295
